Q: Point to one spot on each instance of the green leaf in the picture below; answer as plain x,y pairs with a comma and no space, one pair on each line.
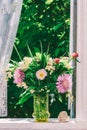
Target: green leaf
24,93
77,60
57,26
61,44
57,52
38,55
36,49
60,99
24,98
14,62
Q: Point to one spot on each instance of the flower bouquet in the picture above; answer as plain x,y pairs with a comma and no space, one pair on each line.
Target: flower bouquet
39,76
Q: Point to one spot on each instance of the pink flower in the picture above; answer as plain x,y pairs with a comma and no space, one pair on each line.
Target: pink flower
18,76
41,74
64,83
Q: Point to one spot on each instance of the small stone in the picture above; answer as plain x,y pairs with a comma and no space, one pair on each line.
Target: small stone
63,117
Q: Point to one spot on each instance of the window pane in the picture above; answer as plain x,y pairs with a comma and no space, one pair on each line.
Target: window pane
45,22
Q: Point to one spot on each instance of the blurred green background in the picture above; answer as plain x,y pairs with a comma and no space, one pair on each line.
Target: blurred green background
46,22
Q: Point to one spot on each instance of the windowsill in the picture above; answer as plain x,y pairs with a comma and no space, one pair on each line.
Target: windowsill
29,124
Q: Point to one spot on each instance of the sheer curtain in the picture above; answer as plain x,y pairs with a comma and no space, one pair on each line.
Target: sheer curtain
9,19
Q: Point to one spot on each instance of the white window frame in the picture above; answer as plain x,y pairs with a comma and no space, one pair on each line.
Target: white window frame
81,95
78,42
73,41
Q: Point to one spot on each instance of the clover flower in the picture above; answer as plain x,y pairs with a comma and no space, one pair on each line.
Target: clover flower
64,83
19,76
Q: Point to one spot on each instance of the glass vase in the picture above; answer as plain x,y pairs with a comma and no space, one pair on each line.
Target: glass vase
41,113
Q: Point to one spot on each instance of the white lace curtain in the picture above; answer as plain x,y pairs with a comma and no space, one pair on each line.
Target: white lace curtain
9,19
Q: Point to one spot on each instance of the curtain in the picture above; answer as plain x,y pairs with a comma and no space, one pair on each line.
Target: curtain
9,19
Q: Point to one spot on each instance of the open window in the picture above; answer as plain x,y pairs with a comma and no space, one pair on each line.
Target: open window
78,41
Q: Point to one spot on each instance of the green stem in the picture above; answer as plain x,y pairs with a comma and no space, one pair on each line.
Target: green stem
17,52
41,47
48,48
29,51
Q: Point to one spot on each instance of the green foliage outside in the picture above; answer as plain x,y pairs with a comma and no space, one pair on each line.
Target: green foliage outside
46,22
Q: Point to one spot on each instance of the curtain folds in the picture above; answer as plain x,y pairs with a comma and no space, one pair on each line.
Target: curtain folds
9,18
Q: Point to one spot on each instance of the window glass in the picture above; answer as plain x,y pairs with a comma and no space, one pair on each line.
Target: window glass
45,22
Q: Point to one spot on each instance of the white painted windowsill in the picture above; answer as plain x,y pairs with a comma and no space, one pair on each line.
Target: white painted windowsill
29,124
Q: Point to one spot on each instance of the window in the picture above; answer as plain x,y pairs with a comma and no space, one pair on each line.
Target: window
81,45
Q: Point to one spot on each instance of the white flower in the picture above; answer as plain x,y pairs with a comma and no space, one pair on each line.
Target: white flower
50,66
24,65
23,84
27,60
66,62
68,66
50,61
52,98
32,91
9,75
64,59
19,85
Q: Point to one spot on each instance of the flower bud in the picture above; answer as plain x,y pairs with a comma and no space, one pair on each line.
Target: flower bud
56,60
75,54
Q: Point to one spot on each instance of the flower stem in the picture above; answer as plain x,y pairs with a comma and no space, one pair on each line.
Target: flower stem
41,47
48,48
29,51
17,52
